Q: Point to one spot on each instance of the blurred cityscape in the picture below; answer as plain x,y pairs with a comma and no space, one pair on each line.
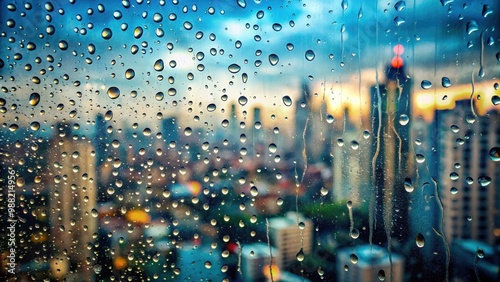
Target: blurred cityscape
388,182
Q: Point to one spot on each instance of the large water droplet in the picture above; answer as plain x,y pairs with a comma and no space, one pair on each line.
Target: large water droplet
244,77
420,158
400,6
211,107
300,255
34,99
381,275
188,25
157,17
495,154
113,92
420,240
408,185
404,119
241,3
277,27
354,258
399,21
159,96
234,68
472,26
158,66
129,74
272,148
495,100
484,181
138,32
287,100
486,10
425,84
242,100
445,82
172,91
310,55
273,59
354,233
106,33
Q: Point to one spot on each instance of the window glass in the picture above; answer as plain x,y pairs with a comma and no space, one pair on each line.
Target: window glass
146,140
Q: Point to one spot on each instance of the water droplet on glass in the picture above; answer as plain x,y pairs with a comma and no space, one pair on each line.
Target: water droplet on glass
208,264
354,258
129,74
344,4
234,68
399,20
287,100
34,99
241,3
408,185
484,181
310,55
400,6
495,154
211,107
486,10
272,148
188,131
254,191
471,26
404,119
300,255
159,96
420,158
289,46
381,275
157,17
324,191
188,25
480,253
329,118
445,82
354,233
113,92
172,91
242,100
244,77
106,33
279,201
454,176
495,100
453,190
273,59
420,240
277,27
425,84
158,66
138,32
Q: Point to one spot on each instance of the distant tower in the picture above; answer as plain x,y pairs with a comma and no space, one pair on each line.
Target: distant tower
73,221
469,179
391,151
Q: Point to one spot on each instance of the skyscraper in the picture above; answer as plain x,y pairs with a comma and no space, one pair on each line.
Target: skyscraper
73,213
391,156
469,178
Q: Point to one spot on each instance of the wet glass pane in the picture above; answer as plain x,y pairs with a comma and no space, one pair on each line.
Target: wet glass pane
249,140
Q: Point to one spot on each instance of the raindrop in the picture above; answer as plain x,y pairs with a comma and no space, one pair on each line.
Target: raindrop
399,21
244,77
157,17
354,233
138,32
495,100
211,107
272,148
277,27
471,26
404,119
484,181
208,264
159,65
254,191
31,46
300,255
108,115
159,96
495,154
454,190
188,25
106,33
381,275
63,45
354,258
35,125
486,10
354,144
287,100
129,74
91,48
420,240
289,46
480,253
420,158
310,55
408,185
241,3
279,201
425,84
400,6
273,59
113,92
234,68
454,176
172,92
242,100
445,82
188,131
323,191
34,99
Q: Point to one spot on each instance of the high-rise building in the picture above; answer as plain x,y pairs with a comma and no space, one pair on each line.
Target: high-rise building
367,263
469,178
392,159
73,214
290,235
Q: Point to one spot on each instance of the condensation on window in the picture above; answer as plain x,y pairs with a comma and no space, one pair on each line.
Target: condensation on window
155,140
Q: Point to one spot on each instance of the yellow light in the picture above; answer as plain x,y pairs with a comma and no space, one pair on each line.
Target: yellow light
274,270
138,216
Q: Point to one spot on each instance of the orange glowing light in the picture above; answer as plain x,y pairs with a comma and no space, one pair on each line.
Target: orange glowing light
274,270
138,216
397,62
119,263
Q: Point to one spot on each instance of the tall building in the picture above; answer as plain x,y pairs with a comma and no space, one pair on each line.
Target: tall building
367,263
73,212
469,178
392,161
290,237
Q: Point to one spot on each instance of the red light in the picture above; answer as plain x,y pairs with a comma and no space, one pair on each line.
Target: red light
398,49
397,62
